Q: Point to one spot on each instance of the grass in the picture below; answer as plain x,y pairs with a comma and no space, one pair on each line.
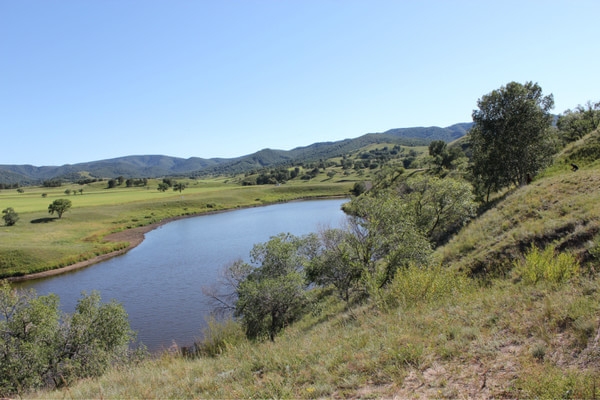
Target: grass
479,342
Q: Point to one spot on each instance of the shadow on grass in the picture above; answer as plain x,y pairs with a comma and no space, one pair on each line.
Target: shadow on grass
43,220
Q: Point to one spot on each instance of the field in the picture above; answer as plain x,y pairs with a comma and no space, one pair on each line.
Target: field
40,241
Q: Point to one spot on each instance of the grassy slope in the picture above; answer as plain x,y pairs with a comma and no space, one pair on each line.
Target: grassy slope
503,339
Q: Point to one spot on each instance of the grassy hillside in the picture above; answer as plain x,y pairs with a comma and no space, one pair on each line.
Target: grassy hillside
434,333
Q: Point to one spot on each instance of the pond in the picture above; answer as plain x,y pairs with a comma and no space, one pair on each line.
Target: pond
159,282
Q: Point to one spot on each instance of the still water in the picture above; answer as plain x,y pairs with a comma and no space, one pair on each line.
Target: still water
159,282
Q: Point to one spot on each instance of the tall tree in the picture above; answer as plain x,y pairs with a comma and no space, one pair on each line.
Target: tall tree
511,137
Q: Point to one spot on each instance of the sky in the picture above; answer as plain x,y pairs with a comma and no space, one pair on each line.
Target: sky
86,80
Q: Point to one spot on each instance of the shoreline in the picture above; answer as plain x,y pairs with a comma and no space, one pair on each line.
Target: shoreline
135,236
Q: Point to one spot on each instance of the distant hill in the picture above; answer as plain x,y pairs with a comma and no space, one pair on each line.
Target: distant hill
431,133
151,166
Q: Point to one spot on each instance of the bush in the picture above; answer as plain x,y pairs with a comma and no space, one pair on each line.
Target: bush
418,285
39,346
218,336
546,266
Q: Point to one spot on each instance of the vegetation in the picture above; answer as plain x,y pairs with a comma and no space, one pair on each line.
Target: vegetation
575,124
511,137
394,305
39,346
10,216
59,206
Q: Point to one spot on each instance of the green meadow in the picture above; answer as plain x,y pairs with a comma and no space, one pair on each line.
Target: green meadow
40,241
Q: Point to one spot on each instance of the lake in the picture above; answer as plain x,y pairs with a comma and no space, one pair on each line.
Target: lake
159,282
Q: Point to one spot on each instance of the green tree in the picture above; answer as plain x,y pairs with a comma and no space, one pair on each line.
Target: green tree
334,264
68,192
271,293
575,124
358,188
179,186
511,137
439,206
112,183
9,216
384,235
59,206
163,187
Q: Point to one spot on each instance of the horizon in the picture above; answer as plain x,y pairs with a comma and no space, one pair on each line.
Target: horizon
83,81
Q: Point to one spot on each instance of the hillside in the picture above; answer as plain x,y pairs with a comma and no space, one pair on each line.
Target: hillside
443,335
447,134
152,166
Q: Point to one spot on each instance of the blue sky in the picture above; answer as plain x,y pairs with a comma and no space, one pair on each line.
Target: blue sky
85,80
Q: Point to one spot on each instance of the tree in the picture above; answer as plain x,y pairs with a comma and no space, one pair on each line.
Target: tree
59,206
384,235
68,192
333,264
358,188
10,217
575,124
442,155
163,187
269,293
440,206
20,190
179,186
112,183
511,137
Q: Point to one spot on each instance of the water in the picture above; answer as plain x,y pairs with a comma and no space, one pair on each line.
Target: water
159,282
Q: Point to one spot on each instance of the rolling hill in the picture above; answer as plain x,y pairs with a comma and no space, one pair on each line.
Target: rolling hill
151,166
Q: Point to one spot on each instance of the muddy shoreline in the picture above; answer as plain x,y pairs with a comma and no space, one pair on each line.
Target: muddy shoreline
135,236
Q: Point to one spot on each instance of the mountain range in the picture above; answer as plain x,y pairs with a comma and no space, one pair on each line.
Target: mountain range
151,166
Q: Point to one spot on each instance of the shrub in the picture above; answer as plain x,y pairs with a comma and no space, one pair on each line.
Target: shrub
418,285
546,266
40,346
218,336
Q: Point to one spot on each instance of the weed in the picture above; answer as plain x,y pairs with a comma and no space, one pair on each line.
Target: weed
546,266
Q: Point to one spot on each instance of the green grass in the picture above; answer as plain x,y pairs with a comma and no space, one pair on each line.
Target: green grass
39,242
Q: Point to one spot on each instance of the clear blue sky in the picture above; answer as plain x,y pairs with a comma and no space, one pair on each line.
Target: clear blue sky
85,80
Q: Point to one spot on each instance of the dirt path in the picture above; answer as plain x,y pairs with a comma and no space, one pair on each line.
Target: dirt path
134,236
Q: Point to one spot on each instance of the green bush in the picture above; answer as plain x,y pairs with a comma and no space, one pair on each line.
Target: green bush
417,285
546,266
218,336
39,346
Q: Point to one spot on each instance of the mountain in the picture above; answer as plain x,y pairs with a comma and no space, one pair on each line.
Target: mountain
447,134
152,166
